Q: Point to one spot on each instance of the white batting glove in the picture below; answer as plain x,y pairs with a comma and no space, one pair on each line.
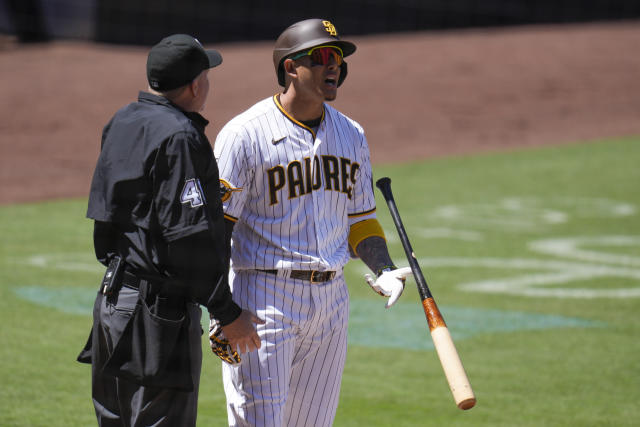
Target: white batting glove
389,284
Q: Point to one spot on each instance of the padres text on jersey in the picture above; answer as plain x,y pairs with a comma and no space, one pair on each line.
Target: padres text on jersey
300,193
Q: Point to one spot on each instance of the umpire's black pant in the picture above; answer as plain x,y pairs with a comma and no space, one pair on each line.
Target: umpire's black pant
119,402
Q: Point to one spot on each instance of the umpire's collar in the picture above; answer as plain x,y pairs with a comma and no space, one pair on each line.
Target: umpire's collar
196,118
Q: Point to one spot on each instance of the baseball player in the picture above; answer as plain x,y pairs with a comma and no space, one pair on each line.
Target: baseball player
159,229
297,192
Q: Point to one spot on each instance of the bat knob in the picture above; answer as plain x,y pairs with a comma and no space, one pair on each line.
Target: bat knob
467,403
383,182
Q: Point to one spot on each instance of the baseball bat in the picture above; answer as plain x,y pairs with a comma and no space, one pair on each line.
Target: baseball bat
447,353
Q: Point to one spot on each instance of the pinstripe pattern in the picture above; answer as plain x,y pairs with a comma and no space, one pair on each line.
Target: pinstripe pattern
296,193
294,379
307,232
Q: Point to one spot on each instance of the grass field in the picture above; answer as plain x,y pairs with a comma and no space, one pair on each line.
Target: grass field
533,257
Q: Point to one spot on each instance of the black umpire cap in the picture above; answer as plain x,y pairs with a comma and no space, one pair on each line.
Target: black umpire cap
177,60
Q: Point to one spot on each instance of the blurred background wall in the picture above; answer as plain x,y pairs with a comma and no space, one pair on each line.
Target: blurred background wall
144,22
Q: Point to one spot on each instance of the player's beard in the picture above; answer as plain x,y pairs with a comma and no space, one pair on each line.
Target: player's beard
330,93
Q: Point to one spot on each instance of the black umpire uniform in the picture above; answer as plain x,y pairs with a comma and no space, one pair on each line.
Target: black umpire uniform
159,229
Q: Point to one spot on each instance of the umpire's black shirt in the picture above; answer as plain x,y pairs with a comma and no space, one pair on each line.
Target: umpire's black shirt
155,200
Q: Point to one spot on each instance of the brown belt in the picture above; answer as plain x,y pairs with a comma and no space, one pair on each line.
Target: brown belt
312,276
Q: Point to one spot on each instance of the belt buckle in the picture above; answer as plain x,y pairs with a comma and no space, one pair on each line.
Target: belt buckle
313,280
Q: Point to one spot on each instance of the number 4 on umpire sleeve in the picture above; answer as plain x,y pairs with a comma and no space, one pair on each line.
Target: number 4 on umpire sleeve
192,193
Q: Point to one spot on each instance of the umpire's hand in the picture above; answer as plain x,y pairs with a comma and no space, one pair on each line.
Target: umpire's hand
242,334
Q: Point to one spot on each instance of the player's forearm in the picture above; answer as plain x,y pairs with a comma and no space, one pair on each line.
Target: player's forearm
374,253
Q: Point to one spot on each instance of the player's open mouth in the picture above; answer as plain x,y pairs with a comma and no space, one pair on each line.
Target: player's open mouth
330,81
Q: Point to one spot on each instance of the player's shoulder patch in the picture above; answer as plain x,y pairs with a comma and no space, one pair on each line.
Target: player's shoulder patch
226,190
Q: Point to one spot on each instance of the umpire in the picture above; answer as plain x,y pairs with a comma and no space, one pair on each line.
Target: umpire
159,229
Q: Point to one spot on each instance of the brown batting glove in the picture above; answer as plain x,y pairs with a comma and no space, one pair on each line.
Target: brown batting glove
220,345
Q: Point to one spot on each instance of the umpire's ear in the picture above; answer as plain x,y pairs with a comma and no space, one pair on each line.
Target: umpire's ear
195,87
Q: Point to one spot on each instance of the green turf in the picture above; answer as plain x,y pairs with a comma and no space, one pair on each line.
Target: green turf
524,252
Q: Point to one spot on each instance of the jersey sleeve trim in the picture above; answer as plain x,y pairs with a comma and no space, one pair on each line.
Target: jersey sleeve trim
230,218
359,214
290,117
363,229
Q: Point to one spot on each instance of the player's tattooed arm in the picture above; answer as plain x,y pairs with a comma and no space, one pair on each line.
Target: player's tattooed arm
374,253
388,281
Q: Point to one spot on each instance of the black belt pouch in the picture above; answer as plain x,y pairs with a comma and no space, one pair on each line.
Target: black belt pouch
153,351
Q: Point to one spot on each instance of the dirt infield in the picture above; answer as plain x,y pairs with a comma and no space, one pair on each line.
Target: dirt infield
416,95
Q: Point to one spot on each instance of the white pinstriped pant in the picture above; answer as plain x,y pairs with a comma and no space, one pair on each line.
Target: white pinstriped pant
294,378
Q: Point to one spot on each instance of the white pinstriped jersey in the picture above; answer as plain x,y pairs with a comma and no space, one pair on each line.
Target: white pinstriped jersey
292,191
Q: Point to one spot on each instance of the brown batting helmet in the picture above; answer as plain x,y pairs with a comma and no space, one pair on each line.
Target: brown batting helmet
305,35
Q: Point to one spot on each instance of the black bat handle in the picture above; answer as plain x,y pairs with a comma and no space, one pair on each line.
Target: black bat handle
384,184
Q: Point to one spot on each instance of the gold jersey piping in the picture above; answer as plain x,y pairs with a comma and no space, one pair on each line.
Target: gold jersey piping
290,117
